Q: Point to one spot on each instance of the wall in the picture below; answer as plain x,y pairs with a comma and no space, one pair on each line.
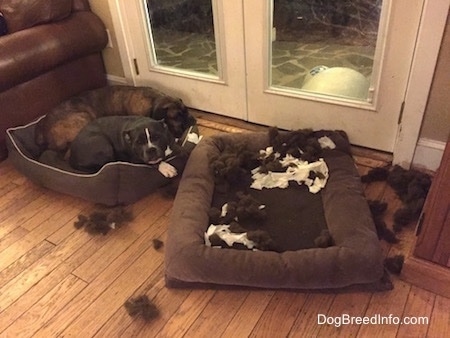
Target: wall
111,56
436,125
435,129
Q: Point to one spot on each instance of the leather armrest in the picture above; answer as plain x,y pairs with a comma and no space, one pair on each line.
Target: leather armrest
81,5
28,53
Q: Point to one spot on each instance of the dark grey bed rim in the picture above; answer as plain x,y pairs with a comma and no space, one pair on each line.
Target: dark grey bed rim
355,259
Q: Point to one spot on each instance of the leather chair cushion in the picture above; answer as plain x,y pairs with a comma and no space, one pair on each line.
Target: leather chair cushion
22,14
31,52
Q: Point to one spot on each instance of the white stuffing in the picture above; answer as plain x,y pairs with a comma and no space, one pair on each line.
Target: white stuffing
326,142
193,138
224,233
224,210
297,170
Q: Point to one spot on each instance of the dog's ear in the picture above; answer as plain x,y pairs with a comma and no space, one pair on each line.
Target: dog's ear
160,108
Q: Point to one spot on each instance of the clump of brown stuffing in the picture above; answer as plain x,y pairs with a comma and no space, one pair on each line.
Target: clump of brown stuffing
101,221
242,215
141,306
394,264
300,143
157,244
232,165
246,209
324,240
411,186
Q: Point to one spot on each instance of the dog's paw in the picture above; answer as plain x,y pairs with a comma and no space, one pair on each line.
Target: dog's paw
167,169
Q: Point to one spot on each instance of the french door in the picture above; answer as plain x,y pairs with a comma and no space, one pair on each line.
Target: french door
318,64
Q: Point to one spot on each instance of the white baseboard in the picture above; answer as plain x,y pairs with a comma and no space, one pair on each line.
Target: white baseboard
428,154
116,80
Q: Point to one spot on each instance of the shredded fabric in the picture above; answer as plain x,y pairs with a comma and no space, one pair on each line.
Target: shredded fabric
224,233
326,143
194,138
296,170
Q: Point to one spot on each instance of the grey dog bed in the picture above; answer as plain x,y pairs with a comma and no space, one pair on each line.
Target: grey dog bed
116,183
356,258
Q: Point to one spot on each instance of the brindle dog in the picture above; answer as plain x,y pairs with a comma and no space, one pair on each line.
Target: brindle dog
63,123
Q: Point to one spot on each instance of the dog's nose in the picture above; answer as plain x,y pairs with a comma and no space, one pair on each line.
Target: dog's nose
151,152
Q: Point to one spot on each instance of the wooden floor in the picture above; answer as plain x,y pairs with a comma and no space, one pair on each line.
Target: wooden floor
59,281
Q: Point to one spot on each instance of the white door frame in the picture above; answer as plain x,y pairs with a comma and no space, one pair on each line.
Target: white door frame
429,38
434,16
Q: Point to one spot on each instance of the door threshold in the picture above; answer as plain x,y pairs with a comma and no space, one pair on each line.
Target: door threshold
233,125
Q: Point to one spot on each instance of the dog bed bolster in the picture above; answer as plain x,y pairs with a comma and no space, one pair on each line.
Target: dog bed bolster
356,257
116,183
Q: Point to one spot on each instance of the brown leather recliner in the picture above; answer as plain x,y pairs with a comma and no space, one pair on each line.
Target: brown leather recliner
51,51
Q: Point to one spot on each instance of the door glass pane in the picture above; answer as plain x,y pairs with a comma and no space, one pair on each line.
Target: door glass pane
325,46
183,34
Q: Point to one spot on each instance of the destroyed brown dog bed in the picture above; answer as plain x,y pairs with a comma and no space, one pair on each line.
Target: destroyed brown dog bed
355,257
116,183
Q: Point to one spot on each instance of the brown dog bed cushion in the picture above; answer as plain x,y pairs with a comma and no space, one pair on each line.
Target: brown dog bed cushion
355,257
116,183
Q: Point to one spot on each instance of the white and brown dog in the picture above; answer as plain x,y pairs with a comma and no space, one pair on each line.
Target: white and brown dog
63,123
134,139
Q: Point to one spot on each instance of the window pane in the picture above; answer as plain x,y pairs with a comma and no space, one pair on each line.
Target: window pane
183,34
325,46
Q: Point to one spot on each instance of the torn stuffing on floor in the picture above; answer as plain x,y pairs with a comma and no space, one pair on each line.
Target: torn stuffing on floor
142,307
411,187
102,220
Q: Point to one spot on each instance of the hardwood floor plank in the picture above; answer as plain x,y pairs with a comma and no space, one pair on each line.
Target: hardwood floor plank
49,305
187,313
22,302
220,127
34,208
24,262
103,281
121,239
306,323
364,161
440,318
37,235
16,199
279,315
168,302
6,186
217,314
100,309
24,281
12,237
386,304
6,167
60,208
11,205
350,304
219,122
118,324
419,304
249,313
